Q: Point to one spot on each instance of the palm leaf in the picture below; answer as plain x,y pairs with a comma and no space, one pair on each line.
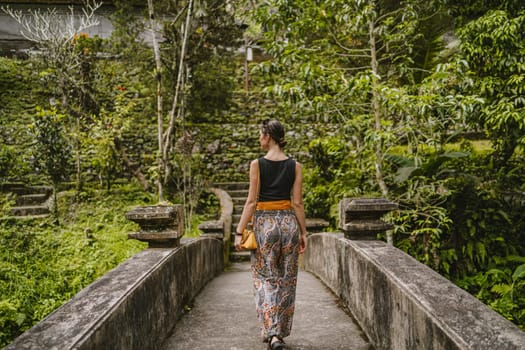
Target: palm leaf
399,160
519,272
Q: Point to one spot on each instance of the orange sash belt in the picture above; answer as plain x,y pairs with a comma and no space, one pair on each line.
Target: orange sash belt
275,205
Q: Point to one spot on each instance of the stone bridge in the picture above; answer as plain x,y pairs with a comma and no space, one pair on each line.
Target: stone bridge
354,292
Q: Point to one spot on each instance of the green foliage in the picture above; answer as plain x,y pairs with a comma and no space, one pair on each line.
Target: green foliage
493,46
212,86
213,37
19,94
52,149
7,200
207,207
188,181
42,266
335,170
421,232
431,168
502,287
437,112
467,220
467,10
8,162
125,36
108,129
423,223
485,226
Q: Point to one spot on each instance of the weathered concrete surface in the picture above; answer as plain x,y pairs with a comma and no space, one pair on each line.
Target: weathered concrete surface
135,305
402,304
223,318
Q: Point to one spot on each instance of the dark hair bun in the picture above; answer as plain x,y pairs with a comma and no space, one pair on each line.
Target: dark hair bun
276,131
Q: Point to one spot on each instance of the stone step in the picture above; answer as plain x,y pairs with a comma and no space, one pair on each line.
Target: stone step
12,187
238,193
236,256
20,189
232,186
31,199
235,219
238,200
41,189
237,209
30,210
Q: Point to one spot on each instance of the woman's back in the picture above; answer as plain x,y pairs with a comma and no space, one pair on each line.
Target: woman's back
276,179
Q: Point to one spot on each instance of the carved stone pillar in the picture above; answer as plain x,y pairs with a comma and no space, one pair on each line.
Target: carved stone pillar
160,225
360,218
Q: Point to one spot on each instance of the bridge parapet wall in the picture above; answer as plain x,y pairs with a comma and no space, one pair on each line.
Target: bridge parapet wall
401,303
135,305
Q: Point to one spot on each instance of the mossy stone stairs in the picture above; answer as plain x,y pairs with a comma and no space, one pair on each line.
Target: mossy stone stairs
30,201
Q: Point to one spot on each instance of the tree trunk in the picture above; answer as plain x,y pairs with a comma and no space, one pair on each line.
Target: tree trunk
160,124
376,109
55,204
77,155
180,82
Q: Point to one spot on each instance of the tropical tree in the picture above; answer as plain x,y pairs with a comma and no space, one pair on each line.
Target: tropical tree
194,33
351,62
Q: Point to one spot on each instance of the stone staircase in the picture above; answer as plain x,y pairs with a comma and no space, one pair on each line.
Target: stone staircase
30,201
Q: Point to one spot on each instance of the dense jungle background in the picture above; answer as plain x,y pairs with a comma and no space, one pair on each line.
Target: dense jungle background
418,101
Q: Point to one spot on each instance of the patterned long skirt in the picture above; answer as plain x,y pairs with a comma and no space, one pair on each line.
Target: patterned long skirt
274,267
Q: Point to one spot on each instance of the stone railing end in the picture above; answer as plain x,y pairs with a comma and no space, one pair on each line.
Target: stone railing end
360,218
160,225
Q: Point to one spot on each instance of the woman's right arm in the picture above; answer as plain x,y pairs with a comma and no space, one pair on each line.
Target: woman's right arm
298,205
251,201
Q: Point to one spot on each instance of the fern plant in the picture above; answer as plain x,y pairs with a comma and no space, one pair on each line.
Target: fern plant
502,288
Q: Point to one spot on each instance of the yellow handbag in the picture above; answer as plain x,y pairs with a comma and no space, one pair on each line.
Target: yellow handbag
248,241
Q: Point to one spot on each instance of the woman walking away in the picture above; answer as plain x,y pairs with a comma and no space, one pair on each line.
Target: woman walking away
275,200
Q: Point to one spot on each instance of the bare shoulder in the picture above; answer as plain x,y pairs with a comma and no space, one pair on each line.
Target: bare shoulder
254,166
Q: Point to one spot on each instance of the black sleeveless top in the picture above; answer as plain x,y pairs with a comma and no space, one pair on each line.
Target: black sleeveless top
276,179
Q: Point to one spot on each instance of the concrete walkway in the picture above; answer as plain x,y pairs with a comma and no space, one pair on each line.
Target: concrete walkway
223,318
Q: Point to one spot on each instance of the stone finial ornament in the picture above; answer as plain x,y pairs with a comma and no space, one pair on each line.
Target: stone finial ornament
160,225
360,218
